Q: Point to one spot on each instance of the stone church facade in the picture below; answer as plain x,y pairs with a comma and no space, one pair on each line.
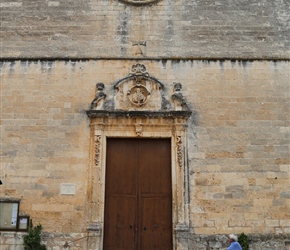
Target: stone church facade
209,77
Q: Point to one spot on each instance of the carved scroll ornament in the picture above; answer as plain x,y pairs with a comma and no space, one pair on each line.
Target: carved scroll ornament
139,69
97,149
179,151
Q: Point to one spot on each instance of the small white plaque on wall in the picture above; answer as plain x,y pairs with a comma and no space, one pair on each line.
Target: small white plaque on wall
67,189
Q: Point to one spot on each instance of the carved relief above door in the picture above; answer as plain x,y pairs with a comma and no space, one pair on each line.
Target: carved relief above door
138,91
138,106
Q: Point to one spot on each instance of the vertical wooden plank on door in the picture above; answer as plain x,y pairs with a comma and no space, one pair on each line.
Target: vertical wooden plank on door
120,195
119,224
155,195
156,224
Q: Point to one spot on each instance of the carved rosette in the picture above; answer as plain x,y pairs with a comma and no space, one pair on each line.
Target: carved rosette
179,151
97,149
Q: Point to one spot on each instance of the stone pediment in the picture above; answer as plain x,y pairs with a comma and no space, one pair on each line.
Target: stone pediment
139,94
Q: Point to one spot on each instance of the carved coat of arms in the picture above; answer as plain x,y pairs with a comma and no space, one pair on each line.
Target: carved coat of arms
138,94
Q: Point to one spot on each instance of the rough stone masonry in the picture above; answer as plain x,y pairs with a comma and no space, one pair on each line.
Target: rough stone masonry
232,60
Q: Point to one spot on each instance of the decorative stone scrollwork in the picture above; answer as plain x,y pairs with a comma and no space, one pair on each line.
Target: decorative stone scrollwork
97,149
179,151
139,69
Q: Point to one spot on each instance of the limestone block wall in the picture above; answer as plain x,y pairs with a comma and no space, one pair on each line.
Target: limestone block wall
171,29
45,134
239,152
238,143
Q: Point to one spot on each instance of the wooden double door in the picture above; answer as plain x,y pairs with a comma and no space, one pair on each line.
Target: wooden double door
138,196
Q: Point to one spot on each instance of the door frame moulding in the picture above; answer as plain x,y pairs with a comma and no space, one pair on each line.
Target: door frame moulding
139,127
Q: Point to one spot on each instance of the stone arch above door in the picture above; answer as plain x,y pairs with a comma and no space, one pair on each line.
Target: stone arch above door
138,106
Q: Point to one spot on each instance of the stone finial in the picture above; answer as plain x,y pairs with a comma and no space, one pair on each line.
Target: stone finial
100,86
177,86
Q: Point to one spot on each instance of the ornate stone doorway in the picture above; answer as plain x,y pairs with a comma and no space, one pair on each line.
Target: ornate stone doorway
139,108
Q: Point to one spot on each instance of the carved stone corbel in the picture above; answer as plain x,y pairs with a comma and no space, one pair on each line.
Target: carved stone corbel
139,127
139,130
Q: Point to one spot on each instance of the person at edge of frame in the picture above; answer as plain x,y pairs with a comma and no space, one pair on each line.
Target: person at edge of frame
234,244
